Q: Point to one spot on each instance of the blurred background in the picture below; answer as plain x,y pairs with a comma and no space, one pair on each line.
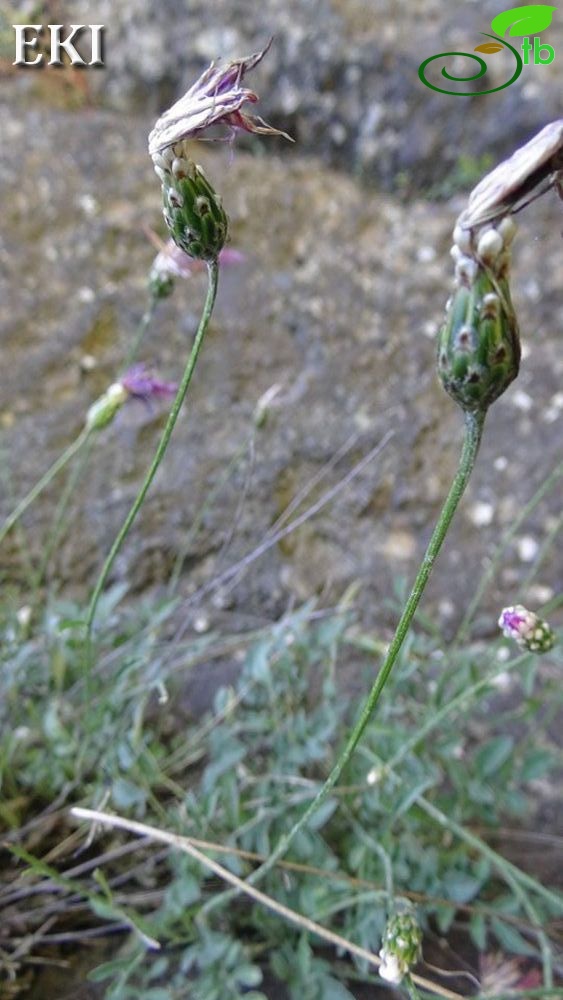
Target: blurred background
333,312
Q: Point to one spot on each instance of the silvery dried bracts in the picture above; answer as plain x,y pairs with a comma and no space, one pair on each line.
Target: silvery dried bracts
531,171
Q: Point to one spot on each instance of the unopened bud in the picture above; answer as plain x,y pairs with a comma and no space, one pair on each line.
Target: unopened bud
401,947
160,282
478,345
526,629
192,209
103,410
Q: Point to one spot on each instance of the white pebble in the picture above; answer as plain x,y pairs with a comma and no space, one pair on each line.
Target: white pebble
527,548
201,624
426,254
540,593
481,514
503,681
522,401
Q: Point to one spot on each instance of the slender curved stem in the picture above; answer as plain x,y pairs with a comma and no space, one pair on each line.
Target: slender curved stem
144,323
45,480
461,701
213,273
473,431
60,520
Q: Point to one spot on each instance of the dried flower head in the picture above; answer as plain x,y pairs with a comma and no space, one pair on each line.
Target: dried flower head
137,383
140,383
526,629
192,209
216,98
508,187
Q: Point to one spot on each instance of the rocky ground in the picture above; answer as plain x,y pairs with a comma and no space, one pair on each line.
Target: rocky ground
337,305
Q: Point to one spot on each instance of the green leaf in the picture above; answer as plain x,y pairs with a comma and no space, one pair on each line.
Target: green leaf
109,969
527,20
510,939
490,757
536,764
248,975
125,794
461,887
181,895
478,931
105,909
333,989
444,917
323,814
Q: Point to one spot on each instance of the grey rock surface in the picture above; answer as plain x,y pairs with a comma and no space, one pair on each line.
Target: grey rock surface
337,304
342,76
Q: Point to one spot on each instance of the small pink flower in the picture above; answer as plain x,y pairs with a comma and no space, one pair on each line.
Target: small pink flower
526,629
215,98
174,262
139,383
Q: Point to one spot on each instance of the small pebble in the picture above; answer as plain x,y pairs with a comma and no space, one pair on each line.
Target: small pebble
522,401
527,548
481,514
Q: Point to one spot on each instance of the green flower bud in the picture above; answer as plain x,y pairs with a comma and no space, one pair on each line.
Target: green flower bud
161,284
192,210
401,947
478,345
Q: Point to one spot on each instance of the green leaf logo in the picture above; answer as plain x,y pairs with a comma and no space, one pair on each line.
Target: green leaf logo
527,20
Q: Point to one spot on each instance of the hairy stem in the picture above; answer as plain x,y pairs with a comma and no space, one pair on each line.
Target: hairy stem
144,323
474,422
45,480
213,273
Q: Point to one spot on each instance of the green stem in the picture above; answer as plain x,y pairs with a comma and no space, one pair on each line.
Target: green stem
411,988
474,422
42,484
459,702
60,519
145,322
213,273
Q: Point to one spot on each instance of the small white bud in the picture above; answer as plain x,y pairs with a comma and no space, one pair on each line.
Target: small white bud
490,246
507,229
462,238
